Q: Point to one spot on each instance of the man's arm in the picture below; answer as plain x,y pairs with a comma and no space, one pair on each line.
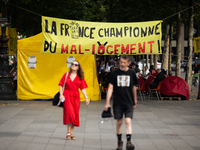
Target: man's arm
108,96
135,96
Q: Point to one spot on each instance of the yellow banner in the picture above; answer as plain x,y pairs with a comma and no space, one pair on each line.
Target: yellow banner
64,36
197,45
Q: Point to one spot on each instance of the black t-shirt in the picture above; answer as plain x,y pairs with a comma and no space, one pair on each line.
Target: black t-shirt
123,83
159,77
196,69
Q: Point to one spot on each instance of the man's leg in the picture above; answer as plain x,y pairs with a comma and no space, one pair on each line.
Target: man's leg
118,115
128,129
129,145
128,125
119,133
119,126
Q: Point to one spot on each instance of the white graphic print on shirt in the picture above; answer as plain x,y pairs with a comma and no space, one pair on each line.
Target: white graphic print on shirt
123,81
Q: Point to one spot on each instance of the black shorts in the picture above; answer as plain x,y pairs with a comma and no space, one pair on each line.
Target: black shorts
118,111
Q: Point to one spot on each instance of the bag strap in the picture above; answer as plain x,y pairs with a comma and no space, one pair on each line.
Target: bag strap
63,88
65,82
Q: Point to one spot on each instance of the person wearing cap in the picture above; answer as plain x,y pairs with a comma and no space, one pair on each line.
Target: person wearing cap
159,77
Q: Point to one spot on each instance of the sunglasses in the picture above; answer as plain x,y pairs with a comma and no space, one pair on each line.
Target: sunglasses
74,64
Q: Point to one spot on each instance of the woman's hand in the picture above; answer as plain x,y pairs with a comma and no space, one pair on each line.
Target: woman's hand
87,101
61,97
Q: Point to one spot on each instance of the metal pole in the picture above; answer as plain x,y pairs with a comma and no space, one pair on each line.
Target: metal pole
6,90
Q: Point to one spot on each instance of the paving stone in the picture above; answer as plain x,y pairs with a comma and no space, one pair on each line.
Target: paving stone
157,125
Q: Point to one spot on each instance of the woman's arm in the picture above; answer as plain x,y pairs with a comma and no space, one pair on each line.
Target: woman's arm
61,92
85,95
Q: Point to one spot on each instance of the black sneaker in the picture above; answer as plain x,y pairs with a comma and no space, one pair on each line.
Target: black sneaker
129,146
120,145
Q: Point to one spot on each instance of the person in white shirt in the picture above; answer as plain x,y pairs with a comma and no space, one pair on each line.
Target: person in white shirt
146,73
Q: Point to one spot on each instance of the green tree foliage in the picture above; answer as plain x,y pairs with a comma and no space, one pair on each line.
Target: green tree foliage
93,10
29,23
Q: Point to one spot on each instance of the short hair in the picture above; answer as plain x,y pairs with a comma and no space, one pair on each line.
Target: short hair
125,57
158,70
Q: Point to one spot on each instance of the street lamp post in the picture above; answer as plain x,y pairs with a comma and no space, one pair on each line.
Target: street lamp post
6,90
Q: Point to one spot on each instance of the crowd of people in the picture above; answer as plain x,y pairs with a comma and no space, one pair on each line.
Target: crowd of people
105,68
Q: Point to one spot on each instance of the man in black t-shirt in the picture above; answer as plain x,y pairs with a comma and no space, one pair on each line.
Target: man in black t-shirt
196,68
123,83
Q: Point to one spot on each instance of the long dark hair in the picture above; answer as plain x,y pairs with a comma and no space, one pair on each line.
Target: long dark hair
80,71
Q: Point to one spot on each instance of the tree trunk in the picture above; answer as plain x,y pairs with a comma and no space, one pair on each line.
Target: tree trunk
143,64
190,45
151,60
178,43
166,50
170,47
155,61
147,61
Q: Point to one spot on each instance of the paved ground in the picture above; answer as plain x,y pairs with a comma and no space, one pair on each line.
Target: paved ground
194,93
157,125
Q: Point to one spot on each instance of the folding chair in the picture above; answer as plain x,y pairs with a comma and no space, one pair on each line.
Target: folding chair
157,91
141,90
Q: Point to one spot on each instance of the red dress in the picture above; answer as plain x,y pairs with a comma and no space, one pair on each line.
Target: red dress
71,104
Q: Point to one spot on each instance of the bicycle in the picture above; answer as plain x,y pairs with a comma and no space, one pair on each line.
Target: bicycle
195,79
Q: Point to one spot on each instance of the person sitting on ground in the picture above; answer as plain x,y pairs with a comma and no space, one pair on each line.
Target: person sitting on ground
159,77
146,73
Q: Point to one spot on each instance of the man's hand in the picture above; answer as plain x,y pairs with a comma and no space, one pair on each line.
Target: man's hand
134,106
106,107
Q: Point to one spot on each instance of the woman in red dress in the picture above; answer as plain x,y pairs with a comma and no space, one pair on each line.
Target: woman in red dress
71,105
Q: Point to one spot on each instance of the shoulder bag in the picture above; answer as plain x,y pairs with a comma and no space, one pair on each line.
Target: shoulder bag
56,100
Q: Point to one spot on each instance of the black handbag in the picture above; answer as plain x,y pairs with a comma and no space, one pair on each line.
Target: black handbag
107,114
56,100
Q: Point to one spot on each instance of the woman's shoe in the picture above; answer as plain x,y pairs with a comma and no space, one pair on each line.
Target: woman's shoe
73,137
68,136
